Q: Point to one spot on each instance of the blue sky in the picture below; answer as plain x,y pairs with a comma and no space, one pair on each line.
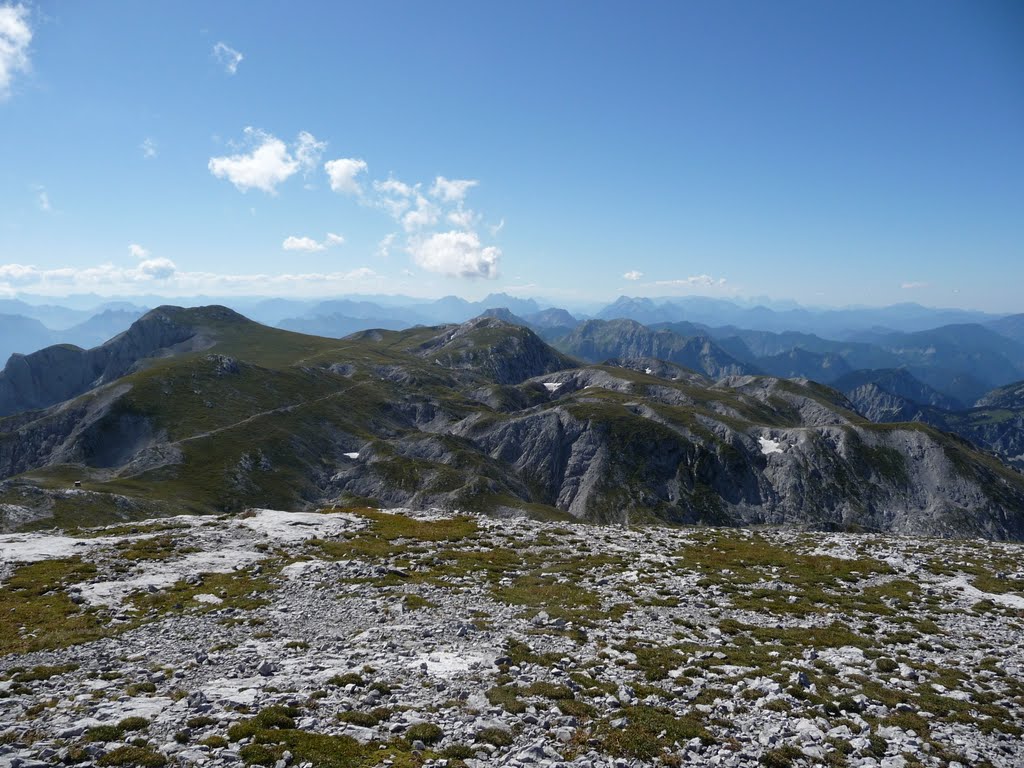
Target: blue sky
832,153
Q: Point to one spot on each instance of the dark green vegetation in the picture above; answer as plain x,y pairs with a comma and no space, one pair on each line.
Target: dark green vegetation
272,731
229,414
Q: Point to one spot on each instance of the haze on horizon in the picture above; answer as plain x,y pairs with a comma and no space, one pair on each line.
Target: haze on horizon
834,154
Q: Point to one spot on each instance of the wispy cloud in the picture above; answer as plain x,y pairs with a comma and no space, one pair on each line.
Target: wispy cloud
163,275
309,245
308,151
913,285
43,200
15,37
452,190
385,245
148,147
137,251
228,57
695,281
424,214
633,275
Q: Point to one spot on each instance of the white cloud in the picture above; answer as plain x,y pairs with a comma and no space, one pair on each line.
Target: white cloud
228,57
156,269
15,37
265,167
43,200
385,245
101,278
148,147
458,254
463,218
393,196
309,245
308,151
18,274
137,251
695,281
913,284
343,172
163,275
497,228
633,275
393,187
452,190
424,215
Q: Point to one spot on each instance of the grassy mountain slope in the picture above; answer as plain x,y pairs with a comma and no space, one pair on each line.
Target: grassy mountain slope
483,416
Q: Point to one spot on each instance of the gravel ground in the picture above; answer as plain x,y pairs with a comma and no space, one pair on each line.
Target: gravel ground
405,638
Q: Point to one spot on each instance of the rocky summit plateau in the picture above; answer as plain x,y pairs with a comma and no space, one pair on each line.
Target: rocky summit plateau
356,637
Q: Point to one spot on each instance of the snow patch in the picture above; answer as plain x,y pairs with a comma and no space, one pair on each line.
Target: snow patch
648,371
353,455
769,446
552,386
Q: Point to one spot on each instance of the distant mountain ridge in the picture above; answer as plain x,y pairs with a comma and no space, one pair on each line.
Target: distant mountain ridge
479,415
598,340
60,372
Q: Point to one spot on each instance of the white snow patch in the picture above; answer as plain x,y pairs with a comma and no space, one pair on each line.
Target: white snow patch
352,455
963,584
769,446
648,371
552,386
298,526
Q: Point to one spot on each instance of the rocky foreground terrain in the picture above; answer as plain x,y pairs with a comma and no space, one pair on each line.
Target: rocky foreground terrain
360,638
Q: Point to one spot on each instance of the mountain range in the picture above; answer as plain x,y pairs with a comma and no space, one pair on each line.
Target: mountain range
204,410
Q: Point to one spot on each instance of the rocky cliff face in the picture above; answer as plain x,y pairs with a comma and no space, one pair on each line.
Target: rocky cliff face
61,372
599,340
